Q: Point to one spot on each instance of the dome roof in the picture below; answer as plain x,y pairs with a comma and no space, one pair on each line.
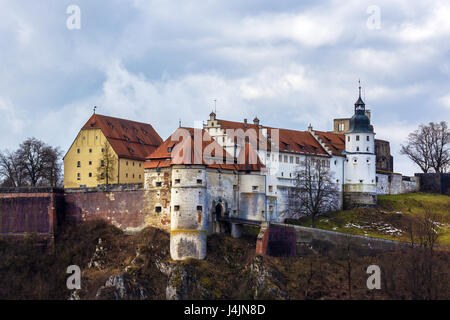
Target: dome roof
360,123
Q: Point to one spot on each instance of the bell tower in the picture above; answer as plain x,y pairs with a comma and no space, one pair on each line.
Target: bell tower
360,189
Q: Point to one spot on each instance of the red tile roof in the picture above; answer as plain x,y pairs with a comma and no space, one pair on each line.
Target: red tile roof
184,139
129,139
334,141
289,140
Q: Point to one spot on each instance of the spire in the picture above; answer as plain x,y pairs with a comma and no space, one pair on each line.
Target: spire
360,105
359,81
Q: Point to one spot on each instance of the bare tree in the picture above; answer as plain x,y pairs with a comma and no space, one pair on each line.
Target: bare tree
429,147
33,164
10,169
314,191
106,168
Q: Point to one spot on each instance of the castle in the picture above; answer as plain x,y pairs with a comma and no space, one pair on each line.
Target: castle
225,174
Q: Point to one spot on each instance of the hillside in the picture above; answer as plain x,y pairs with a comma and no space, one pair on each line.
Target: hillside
121,266
391,220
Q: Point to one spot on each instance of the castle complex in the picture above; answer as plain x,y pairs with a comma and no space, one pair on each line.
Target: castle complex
225,174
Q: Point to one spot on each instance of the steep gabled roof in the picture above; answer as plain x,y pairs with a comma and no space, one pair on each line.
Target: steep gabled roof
129,139
334,141
170,152
290,140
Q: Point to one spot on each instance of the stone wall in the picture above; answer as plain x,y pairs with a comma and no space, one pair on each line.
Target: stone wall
30,210
434,182
336,239
126,208
395,183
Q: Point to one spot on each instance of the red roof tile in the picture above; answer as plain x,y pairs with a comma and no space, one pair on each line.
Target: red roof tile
129,139
289,140
334,141
184,139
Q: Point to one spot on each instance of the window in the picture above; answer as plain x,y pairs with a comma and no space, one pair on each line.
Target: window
376,178
176,208
78,176
282,174
285,159
291,159
90,174
357,138
158,183
133,175
169,149
133,163
78,150
102,163
367,149
102,176
199,208
140,164
90,163
270,188
78,164
126,175
254,188
348,138
177,180
280,158
368,138
126,163
90,150
341,127
158,209
335,162
357,148
360,181
103,149
199,181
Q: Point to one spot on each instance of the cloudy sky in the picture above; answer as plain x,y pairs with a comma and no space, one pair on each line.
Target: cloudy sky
291,63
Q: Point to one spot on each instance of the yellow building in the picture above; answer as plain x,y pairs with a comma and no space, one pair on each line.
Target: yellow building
128,143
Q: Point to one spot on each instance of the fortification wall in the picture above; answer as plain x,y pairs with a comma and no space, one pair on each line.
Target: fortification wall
395,183
30,210
434,182
336,239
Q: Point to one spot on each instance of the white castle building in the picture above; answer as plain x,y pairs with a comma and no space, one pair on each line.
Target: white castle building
228,173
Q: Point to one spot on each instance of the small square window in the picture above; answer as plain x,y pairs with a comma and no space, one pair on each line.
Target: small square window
255,188
199,208
158,183
270,188
176,208
103,149
199,181
177,180
158,209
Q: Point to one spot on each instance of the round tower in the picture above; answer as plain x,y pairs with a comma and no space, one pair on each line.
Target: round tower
360,164
189,220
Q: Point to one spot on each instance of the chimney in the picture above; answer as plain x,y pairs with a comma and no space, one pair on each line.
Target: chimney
245,123
256,121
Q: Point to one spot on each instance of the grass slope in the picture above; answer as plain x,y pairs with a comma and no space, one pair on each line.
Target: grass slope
390,220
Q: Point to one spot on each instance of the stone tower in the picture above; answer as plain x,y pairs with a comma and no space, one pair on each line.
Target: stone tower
360,164
189,218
